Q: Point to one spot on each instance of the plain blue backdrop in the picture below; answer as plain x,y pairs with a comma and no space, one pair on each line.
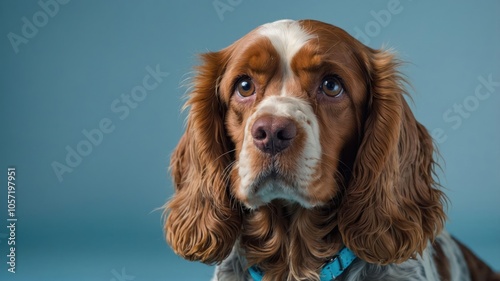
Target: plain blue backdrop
66,72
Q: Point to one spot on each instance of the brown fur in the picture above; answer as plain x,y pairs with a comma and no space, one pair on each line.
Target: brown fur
392,207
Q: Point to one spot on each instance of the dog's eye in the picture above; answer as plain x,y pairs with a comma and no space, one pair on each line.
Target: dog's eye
245,86
331,86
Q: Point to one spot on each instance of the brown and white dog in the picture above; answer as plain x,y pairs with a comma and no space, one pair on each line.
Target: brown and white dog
299,142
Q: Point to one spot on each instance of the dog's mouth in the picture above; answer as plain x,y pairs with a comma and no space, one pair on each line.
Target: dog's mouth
275,184
273,173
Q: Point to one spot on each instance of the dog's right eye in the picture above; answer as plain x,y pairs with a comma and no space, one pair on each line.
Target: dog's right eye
332,87
245,87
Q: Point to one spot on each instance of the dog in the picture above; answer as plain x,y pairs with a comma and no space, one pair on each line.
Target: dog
301,160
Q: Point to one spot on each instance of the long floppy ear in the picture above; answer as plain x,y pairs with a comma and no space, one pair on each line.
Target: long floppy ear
203,220
392,205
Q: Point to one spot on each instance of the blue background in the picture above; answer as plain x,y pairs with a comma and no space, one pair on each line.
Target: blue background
102,220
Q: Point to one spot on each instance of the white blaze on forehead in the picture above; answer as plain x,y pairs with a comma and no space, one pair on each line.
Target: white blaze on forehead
287,37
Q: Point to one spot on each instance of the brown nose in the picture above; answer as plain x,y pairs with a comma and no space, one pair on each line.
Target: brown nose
272,134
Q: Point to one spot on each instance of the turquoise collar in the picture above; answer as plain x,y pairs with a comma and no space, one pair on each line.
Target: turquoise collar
334,268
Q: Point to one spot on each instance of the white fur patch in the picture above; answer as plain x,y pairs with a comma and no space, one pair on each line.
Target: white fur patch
301,112
287,37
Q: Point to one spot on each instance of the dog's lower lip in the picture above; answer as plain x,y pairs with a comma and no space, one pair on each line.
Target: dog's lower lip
263,178
271,174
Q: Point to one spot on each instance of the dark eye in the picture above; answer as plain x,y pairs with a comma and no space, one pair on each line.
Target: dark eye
245,86
331,86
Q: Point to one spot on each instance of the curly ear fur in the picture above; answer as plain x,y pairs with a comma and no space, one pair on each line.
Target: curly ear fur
392,207
203,221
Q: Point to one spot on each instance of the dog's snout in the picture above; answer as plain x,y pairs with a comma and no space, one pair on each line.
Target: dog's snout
273,134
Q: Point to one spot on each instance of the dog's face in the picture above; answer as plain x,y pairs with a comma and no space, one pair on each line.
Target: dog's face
300,116
295,92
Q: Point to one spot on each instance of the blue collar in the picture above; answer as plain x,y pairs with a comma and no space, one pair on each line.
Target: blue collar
334,268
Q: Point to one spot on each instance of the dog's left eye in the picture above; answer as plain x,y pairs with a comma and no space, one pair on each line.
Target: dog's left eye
331,86
245,87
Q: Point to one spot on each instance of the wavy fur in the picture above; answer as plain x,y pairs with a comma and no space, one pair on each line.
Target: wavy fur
203,221
392,206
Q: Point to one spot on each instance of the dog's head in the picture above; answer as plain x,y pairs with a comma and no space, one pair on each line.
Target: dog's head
301,112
